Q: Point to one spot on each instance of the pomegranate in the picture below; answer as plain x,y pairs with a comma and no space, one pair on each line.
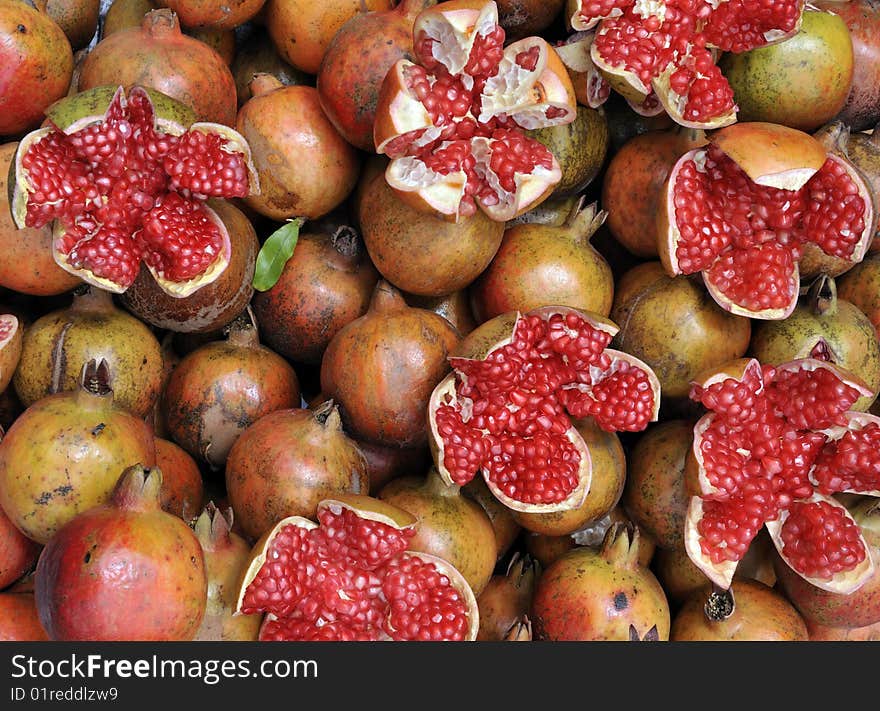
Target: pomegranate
665,51
861,287
453,123
826,327
547,549
19,621
27,265
418,252
748,612
125,166
183,491
655,495
387,463
302,31
157,55
520,630
601,595
287,462
590,87
454,307
214,305
862,18
226,557
355,63
382,367
506,528
856,609
632,188
37,65
216,392
256,54
11,340
306,168
674,326
325,285
739,210
592,534
123,571
210,14
58,345
64,454
450,525
507,598
18,553
77,18
351,577
802,82
624,123
606,485
123,14
221,41
540,264
520,18
775,444
504,410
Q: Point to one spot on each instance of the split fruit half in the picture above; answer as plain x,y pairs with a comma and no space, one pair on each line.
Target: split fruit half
123,179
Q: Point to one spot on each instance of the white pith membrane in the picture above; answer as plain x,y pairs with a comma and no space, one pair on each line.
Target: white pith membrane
448,393
671,38
589,83
448,169
337,595
103,238
770,470
793,171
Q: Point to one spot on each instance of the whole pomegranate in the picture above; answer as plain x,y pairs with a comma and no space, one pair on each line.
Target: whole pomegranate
287,462
382,367
450,525
674,326
387,463
305,167
36,65
226,557
218,390
18,553
77,18
454,307
57,346
210,14
183,490
64,454
507,530
507,598
256,54
19,621
540,264
748,612
633,184
123,571
327,283
860,286
355,63
416,251
601,595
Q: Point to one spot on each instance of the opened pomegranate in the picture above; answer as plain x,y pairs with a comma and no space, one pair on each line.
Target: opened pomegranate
10,348
124,181
64,454
505,410
666,49
226,556
453,122
740,209
601,594
507,598
123,571
776,444
350,577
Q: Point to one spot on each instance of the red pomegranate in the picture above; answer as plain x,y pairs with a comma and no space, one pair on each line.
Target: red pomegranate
305,167
327,283
381,368
36,65
601,595
287,462
183,491
158,55
355,63
450,525
226,557
123,571
64,454
218,390
18,553
19,621
507,598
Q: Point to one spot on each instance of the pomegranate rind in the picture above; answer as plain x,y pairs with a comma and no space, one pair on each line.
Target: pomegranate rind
10,349
405,113
370,509
455,25
590,87
675,104
843,582
719,573
855,421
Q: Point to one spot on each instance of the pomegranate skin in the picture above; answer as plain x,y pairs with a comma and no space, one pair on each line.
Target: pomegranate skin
182,491
125,571
19,621
17,552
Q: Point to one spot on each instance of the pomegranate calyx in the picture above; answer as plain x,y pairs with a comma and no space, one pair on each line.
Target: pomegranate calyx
520,630
213,526
620,545
138,489
720,604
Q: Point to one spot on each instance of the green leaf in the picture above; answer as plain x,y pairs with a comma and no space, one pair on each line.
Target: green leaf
273,255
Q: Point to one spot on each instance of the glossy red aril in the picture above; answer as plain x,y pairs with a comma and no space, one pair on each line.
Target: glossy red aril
123,179
350,577
453,122
777,443
741,209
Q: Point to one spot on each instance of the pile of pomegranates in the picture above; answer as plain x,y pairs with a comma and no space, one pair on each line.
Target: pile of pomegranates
447,320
